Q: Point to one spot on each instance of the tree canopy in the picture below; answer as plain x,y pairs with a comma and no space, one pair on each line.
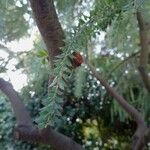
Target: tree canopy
88,75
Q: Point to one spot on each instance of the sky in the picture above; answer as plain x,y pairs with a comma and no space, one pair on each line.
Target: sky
16,77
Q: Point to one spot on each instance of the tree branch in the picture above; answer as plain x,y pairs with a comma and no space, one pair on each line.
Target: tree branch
47,21
147,135
145,77
148,25
21,113
122,62
27,131
144,42
53,36
46,136
138,141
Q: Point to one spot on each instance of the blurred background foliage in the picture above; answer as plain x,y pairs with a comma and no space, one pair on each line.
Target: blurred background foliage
107,32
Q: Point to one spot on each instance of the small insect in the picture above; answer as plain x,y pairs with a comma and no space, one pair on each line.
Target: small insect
77,59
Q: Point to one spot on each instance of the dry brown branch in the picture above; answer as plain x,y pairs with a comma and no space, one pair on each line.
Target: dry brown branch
144,43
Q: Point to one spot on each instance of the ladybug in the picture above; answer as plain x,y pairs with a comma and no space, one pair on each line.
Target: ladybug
77,59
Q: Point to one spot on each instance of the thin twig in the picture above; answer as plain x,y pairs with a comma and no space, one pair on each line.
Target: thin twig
121,63
125,105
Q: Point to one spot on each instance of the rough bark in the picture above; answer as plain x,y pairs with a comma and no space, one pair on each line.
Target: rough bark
22,116
27,131
46,136
47,21
48,24
144,43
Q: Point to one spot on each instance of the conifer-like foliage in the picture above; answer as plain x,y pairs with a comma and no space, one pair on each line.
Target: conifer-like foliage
109,16
12,17
71,98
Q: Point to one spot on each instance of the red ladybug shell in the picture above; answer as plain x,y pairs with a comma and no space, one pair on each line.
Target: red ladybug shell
77,59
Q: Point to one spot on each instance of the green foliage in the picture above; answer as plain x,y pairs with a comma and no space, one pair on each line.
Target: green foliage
125,41
13,25
51,110
7,124
42,53
80,80
75,102
52,105
110,16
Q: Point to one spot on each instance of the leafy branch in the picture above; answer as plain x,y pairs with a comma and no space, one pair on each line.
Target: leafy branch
139,136
61,73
